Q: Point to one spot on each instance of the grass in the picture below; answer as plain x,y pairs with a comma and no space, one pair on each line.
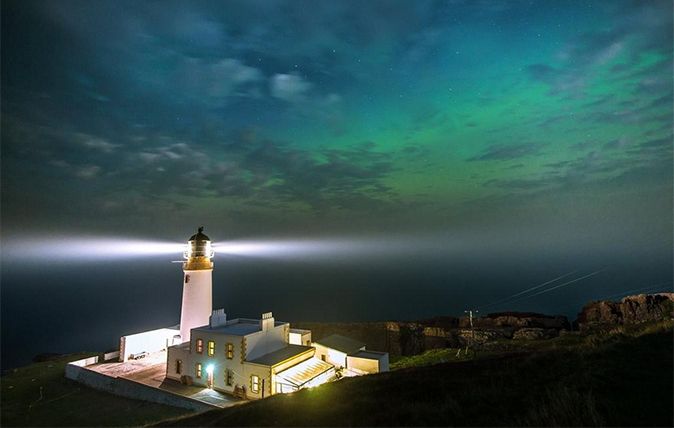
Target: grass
617,378
40,395
498,347
439,356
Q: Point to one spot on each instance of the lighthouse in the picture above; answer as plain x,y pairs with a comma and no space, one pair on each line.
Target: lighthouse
197,284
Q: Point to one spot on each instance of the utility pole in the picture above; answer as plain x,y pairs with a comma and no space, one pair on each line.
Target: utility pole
472,330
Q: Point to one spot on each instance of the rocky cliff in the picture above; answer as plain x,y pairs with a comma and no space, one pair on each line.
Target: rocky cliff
415,337
629,310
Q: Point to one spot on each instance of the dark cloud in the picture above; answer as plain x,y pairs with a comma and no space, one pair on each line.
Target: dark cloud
650,165
162,167
542,73
508,152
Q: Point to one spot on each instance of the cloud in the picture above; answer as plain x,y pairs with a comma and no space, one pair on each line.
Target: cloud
619,143
666,142
507,152
636,28
88,172
96,143
542,72
647,161
289,87
228,73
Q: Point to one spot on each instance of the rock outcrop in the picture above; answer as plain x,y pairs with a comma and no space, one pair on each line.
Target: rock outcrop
517,320
411,338
629,310
415,337
535,333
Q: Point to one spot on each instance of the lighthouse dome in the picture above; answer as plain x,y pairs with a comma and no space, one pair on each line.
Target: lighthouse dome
200,236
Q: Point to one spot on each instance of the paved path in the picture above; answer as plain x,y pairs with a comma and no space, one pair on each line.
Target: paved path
151,371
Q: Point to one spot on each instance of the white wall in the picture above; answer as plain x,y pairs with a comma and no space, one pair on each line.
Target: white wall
264,372
264,342
303,339
219,360
197,304
332,356
294,338
128,388
148,341
173,354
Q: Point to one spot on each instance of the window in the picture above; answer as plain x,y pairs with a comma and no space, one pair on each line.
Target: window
230,351
229,377
211,348
200,346
255,383
198,371
179,366
323,357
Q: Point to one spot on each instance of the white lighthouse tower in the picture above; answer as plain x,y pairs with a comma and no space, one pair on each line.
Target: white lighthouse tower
197,284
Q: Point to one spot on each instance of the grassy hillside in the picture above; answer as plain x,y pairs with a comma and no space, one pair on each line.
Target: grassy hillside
63,402
617,378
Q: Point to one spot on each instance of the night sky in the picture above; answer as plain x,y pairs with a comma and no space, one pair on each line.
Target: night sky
508,142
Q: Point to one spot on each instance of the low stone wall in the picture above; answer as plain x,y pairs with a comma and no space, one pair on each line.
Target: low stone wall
111,356
128,388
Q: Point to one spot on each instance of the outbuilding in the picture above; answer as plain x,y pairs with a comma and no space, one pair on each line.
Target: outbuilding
368,362
334,349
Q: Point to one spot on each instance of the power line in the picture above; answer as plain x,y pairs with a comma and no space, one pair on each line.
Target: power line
622,293
557,286
528,290
564,284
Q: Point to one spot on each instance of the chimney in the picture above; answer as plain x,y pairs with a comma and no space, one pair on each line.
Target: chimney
267,321
218,317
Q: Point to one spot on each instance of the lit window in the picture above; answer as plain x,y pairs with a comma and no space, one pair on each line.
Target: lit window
230,351
198,371
229,377
255,384
211,348
179,366
200,346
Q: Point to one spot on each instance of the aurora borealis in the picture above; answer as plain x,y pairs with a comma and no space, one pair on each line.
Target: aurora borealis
524,127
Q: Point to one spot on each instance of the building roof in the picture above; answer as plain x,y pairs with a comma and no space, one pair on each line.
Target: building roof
301,373
370,355
299,331
341,343
236,327
281,355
